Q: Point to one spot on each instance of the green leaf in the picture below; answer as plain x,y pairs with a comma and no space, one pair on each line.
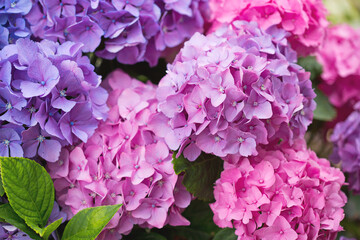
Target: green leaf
8,214
2,191
225,234
46,232
311,65
201,216
29,189
200,175
88,223
324,110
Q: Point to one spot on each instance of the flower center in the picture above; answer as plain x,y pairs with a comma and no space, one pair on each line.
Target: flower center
8,106
255,104
132,193
63,93
40,138
6,142
113,195
234,103
153,206
159,161
32,110
127,137
13,3
221,89
240,139
217,139
71,123
199,106
107,176
87,28
263,88
136,166
42,83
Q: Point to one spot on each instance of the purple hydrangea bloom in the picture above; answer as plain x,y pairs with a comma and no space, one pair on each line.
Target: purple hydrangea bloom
13,25
8,231
346,140
233,90
52,91
132,30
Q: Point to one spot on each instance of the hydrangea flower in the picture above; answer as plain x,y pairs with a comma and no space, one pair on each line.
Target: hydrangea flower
232,90
52,91
133,30
283,193
124,162
12,22
346,140
305,20
341,65
8,231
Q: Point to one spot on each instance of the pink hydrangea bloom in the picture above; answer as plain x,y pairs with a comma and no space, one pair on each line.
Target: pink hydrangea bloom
305,20
124,162
232,90
284,193
341,65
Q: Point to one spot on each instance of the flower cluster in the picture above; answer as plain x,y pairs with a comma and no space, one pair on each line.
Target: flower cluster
124,162
12,22
287,193
341,65
346,140
133,30
52,91
305,20
232,90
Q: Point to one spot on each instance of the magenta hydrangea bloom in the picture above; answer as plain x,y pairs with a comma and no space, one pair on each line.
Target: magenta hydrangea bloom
232,90
346,140
305,20
287,193
341,65
124,162
52,91
133,30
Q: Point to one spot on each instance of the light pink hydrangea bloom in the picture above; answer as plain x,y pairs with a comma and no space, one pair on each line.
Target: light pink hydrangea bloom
305,20
232,90
341,65
124,162
287,193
